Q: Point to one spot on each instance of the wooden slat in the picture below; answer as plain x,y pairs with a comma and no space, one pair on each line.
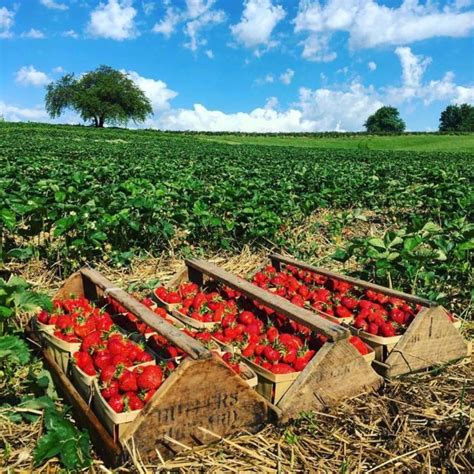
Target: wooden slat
188,344
277,258
277,303
336,372
110,452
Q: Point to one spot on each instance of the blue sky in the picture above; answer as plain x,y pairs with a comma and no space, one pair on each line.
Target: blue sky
252,65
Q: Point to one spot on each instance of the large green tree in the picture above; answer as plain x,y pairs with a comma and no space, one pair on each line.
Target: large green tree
386,120
101,96
457,118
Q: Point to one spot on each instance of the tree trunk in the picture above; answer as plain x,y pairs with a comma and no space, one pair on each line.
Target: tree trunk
101,121
96,122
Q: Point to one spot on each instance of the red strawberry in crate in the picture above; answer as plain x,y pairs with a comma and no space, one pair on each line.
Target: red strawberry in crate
116,345
91,341
361,323
387,330
373,329
342,311
84,325
103,322
117,403
128,381
102,359
84,362
146,396
133,401
43,317
110,390
281,368
348,302
397,315
108,373
149,377
359,344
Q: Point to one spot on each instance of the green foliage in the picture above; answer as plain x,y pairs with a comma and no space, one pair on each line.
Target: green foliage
102,96
457,118
385,120
64,440
77,195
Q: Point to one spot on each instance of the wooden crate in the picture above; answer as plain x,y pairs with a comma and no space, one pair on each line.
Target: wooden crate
336,371
431,339
184,410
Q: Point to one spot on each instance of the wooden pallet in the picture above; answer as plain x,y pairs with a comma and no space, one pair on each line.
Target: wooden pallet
202,396
336,371
430,340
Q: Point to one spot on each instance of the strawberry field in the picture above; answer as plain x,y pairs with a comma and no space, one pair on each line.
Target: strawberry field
71,195
135,203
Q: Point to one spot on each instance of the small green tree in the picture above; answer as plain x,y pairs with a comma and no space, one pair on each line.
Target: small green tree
457,118
386,120
101,96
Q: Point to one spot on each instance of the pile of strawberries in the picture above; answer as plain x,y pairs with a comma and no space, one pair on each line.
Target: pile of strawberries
75,318
118,362
367,310
269,339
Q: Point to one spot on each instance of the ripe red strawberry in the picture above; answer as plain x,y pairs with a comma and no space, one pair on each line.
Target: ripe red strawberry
359,344
343,312
282,369
84,326
272,334
133,401
271,354
110,390
397,315
84,362
103,322
108,373
289,355
246,317
43,317
373,329
361,323
116,345
146,396
249,350
173,298
387,330
91,341
128,381
121,359
102,359
348,302
149,377
116,403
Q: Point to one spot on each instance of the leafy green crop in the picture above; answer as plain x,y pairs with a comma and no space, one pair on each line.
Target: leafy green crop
73,194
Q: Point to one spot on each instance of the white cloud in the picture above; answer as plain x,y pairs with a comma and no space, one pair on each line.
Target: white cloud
259,18
371,24
413,87
339,110
113,20
6,22
54,5
372,66
264,119
193,27
157,91
316,48
209,53
413,67
13,113
33,34
29,76
70,34
58,70
148,7
287,76
198,15
267,79
168,24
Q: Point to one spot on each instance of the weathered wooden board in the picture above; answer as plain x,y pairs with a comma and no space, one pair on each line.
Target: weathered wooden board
336,372
110,452
199,394
197,268
92,284
277,259
430,340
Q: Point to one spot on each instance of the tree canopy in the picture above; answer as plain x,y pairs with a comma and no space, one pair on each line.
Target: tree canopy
101,96
385,120
457,118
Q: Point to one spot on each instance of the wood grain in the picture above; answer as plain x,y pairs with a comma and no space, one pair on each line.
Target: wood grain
199,393
431,339
336,372
312,320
